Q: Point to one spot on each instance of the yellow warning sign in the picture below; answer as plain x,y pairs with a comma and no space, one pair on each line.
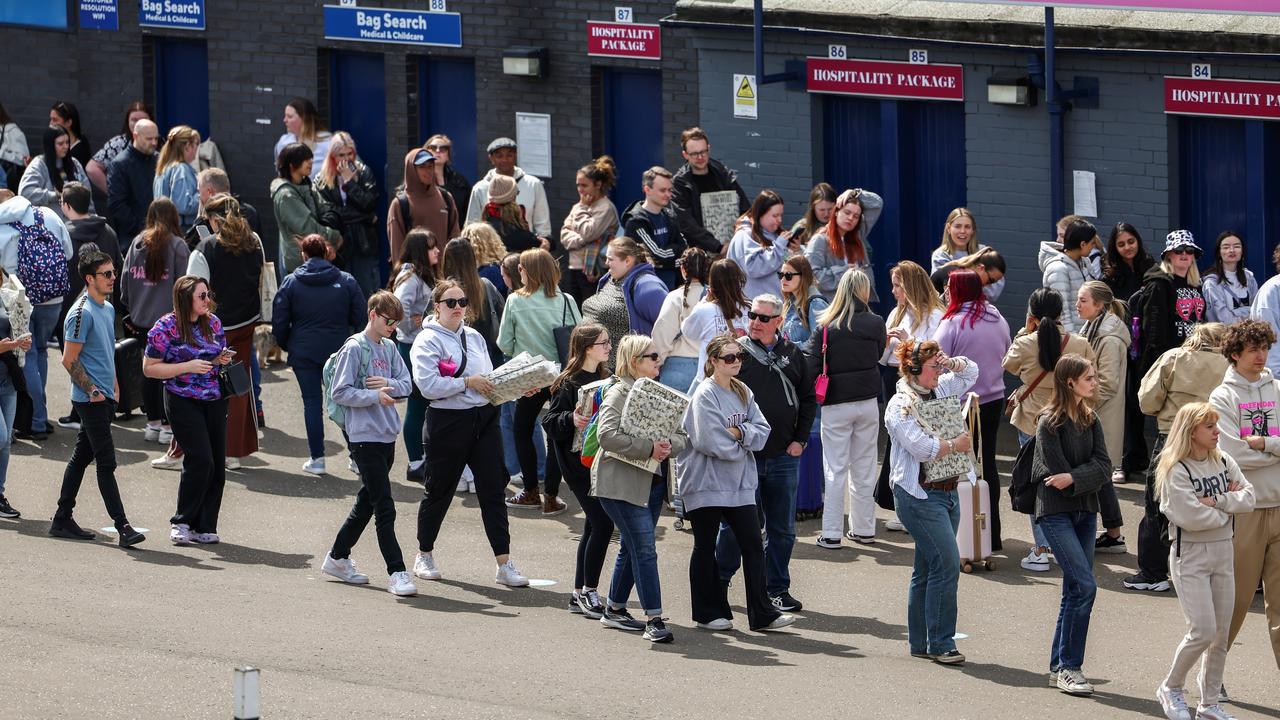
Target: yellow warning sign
745,97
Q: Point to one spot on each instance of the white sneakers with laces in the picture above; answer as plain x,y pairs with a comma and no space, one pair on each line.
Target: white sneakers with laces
424,567
314,466
717,625
508,575
1072,682
400,584
1173,702
1213,712
344,570
1036,561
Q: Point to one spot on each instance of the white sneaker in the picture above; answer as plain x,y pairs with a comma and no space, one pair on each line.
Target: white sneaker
467,483
508,575
1213,712
352,466
165,436
462,484
424,566
1072,682
180,534
315,466
233,463
717,624
167,462
205,538
1036,561
151,433
783,620
344,570
894,525
1174,702
399,584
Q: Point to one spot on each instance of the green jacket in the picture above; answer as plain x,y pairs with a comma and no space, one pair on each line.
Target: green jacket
298,209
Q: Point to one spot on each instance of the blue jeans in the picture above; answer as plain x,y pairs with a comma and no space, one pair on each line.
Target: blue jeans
931,599
677,372
776,498
1071,535
508,423
44,318
364,268
1036,531
637,564
8,408
256,373
312,407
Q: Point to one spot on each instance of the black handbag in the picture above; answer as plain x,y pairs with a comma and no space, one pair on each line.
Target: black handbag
233,379
563,333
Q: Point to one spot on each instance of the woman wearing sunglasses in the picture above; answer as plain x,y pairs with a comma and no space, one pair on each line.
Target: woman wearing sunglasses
450,361
718,484
1171,302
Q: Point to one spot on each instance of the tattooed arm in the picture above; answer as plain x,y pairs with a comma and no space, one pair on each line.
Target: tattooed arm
79,376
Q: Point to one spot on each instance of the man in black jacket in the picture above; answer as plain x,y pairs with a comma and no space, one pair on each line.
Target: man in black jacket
779,376
700,174
129,179
652,222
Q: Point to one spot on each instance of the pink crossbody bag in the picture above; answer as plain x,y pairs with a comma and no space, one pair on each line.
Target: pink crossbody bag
820,384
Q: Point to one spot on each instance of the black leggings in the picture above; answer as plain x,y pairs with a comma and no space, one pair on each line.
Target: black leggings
462,438
527,409
992,416
593,546
710,596
200,429
1135,424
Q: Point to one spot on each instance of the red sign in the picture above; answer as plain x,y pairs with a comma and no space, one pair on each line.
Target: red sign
884,78
1222,98
628,40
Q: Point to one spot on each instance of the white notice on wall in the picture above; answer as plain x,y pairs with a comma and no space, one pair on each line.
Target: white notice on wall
1085,192
533,136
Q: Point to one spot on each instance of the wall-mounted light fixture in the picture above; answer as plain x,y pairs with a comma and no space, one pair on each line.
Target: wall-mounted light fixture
524,61
1011,90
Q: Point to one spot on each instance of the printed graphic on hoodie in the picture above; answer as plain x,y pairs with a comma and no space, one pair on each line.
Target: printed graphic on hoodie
1212,485
733,420
1258,419
1188,305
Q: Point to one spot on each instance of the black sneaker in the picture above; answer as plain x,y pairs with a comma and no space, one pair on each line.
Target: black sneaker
589,604
620,620
7,510
68,528
656,631
950,657
1110,545
262,420
785,603
69,421
573,604
1140,581
129,537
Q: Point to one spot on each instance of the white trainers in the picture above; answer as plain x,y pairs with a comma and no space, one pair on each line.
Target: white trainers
1072,682
783,620
315,466
508,575
205,538
1174,702
718,624
167,462
1036,561
180,534
151,433
344,570
165,436
424,566
1213,712
352,466
400,584
467,483
894,525
233,463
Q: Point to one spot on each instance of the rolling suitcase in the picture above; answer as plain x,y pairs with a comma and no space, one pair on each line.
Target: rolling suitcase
810,490
974,534
129,375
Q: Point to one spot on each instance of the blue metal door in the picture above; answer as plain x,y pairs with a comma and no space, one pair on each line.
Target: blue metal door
933,176
358,105
1213,176
447,105
632,128
182,84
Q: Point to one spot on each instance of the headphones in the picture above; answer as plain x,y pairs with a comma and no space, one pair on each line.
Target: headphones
915,368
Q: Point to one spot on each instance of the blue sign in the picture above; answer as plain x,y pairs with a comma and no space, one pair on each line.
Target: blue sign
407,27
99,15
178,14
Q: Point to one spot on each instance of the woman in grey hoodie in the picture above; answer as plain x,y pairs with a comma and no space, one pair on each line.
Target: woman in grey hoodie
718,482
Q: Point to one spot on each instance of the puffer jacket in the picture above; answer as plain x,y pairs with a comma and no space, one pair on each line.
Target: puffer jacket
1065,275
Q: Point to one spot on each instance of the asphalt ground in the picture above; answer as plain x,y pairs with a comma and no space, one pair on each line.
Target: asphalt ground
89,630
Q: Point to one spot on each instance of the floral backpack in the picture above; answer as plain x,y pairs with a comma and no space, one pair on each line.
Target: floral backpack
42,263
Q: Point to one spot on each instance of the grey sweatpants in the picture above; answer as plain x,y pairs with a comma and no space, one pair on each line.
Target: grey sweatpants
1204,577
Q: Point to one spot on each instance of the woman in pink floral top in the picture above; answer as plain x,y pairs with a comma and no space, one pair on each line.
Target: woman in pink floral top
184,349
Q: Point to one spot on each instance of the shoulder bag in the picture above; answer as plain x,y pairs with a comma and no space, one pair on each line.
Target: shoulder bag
820,384
563,332
1017,396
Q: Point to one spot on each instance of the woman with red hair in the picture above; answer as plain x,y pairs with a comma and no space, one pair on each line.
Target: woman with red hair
974,328
843,244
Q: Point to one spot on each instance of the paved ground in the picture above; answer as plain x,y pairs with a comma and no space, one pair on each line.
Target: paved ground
89,630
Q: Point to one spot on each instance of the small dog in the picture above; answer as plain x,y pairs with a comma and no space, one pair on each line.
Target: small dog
265,345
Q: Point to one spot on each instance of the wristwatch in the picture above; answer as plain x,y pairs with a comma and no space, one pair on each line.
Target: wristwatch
96,392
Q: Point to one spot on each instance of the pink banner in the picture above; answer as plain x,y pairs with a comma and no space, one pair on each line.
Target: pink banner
1222,98
627,40
1252,7
883,78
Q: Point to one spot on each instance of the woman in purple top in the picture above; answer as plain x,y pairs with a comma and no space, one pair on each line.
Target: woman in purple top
184,349
973,328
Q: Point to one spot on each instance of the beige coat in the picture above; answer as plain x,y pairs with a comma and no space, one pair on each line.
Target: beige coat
1180,376
1022,360
1110,339
584,228
610,477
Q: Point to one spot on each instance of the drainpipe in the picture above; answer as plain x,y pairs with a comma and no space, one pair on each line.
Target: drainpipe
1057,122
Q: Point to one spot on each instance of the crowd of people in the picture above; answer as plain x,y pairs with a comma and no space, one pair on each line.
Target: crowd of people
772,334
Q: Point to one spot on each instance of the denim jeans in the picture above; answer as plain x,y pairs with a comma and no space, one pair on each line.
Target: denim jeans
8,408
776,498
1036,531
931,598
415,412
312,407
1071,535
637,564
508,424
677,372
256,372
44,318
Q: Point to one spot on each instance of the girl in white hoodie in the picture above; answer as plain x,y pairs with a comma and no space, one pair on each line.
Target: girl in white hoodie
1200,490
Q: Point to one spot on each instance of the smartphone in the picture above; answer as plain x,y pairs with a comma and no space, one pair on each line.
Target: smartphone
22,337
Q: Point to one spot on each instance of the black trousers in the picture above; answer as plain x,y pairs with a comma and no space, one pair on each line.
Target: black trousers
1135,424
200,428
461,438
372,501
711,596
991,414
94,444
153,399
884,492
527,409
593,546
1153,531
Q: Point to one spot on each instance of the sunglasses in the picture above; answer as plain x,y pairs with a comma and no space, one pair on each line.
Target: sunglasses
439,148
452,303
761,316
108,274
388,320
1183,251
652,356
206,295
730,358
783,275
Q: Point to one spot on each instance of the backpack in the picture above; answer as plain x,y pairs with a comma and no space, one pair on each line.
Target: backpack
337,413
406,216
1137,307
42,263
1023,486
591,438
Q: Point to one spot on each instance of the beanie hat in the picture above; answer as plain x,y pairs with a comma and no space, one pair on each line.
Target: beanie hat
1181,240
502,189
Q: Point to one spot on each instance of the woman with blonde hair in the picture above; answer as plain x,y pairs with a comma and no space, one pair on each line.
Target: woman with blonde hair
802,302
960,241
489,253
1108,334
349,187
1200,489
175,178
302,124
